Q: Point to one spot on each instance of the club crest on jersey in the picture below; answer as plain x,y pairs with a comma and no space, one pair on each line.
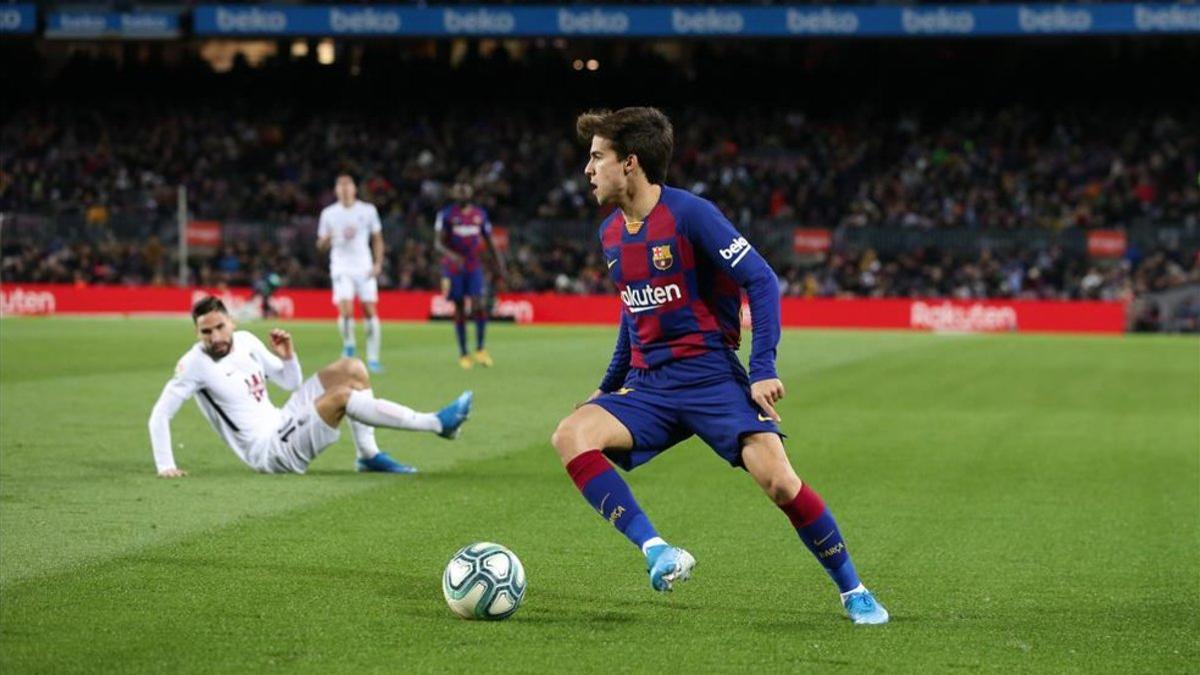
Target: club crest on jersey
634,226
350,232
257,386
662,257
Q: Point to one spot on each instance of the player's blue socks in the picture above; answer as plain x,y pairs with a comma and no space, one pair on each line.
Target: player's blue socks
460,329
480,325
608,493
819,532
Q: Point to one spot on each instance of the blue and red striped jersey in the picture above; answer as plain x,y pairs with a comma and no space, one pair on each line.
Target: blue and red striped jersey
680,275
462,229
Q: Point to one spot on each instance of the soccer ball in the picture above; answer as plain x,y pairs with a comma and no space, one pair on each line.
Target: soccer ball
484,581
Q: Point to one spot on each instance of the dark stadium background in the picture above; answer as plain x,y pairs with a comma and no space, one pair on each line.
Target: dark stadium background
965,168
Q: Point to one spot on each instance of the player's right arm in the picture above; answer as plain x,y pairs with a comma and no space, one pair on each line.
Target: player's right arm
439,238
178,390
324,233
618,367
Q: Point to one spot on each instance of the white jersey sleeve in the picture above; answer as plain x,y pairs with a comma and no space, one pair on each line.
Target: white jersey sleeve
287,374
177,391
376,223
323,229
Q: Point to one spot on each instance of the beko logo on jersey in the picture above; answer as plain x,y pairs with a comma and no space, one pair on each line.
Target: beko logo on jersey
939,21
593,21
363,21
253,20
736,251
478,21
706,21
650,297
822,21
1055,19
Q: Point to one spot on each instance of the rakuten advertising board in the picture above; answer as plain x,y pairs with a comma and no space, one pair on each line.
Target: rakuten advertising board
966,316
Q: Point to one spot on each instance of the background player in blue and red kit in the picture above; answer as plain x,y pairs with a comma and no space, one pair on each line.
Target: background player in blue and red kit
463,230
680,267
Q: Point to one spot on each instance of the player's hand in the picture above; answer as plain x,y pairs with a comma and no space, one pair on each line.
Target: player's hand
765,393
172,473
281,342
376,270
589,399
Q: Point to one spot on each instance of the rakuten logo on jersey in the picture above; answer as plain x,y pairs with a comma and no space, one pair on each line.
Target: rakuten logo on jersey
736,251
650,297
22,302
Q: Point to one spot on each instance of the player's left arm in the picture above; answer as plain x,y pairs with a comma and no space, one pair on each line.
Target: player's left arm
283,365
501,268
377,247
712,233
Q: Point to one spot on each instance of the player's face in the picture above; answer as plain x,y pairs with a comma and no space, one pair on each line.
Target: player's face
346,190
215,331
461,193
605,171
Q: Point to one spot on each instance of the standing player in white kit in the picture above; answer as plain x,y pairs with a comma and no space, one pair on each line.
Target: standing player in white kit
344,230
227,370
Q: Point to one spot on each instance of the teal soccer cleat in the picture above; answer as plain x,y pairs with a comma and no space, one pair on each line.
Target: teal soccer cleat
454,415
863,610
374,367
383,463
667,565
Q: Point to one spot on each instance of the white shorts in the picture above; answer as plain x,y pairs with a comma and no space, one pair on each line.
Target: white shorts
301,435
349,286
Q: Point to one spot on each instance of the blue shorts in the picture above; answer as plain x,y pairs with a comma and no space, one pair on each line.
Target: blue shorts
708,396
459,285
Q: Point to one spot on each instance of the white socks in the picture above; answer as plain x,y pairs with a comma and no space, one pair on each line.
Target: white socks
364,437
346,328
377,412
373,338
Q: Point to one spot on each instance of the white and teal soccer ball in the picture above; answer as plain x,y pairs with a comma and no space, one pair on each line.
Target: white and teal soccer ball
484,581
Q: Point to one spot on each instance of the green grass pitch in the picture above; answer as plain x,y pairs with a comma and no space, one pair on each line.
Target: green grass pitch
1018,502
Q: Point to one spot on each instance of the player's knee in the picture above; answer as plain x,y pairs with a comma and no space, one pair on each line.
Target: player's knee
338,396
354,370
781,485
567,438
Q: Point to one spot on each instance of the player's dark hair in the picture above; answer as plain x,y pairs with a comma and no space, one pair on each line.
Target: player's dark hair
207,304
644,132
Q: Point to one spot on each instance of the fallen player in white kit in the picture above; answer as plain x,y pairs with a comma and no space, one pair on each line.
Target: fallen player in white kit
227,372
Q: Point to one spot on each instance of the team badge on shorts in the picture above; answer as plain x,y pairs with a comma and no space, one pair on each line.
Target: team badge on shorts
662,257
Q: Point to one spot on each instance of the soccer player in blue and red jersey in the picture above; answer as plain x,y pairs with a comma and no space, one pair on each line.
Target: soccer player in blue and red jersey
463,230
680,267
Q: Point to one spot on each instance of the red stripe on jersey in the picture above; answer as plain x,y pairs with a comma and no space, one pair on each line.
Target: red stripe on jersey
637,358
648,328
705,319
612,233
635,263
690,345
660,224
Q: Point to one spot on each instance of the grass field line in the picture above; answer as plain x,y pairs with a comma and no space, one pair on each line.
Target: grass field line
353,490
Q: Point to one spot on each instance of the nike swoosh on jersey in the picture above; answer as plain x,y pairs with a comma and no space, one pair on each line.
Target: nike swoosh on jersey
764,418
611,263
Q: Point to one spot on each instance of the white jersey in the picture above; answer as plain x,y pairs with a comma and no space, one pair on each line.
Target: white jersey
349,230
232,395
